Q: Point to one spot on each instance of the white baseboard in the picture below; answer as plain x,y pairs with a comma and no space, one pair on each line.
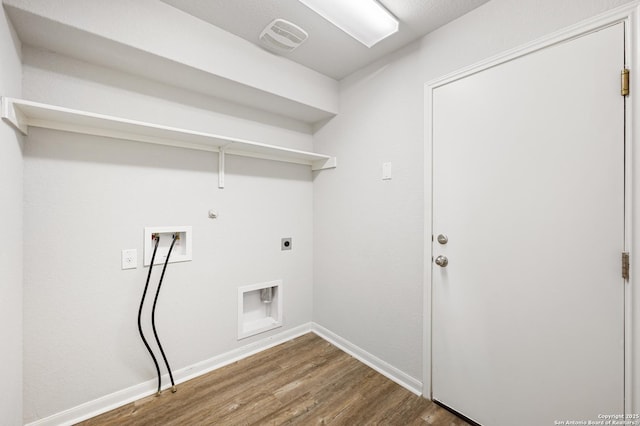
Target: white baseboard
372,361
125,396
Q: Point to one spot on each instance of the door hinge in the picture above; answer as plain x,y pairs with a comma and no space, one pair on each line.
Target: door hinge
625,265
624,82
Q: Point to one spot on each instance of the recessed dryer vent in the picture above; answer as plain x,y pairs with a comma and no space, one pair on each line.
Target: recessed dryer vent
259,308
282,36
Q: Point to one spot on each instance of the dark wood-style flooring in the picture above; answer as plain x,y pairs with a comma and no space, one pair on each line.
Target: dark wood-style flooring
305,381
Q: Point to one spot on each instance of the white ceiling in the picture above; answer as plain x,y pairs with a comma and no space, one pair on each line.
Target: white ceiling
328,50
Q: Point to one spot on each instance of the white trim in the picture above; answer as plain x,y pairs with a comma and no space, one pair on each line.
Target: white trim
125,396
606,19
630,14
367,358
23,114
428,246
632,197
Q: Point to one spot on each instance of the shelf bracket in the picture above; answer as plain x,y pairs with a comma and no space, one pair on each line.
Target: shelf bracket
14,116
221,153
329,163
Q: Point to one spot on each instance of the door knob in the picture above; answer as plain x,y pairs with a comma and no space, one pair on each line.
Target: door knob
442,239
442,261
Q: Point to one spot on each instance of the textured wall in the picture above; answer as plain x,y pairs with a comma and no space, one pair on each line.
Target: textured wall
150,38
369,233
11,253
87,198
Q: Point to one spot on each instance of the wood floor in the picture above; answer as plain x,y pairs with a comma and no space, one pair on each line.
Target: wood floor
306,381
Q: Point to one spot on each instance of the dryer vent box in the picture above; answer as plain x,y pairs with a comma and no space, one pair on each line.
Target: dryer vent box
259,308
282,36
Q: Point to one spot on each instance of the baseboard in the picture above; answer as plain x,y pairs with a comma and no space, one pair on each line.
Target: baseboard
133,393
142,390
372,361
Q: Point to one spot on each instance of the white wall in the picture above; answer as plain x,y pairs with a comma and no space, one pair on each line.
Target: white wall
154,40
87,198
11,218
60,80
368,233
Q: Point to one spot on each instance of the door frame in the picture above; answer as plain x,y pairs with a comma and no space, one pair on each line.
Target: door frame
630,15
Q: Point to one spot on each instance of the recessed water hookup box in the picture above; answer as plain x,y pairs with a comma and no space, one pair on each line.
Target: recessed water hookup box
181,249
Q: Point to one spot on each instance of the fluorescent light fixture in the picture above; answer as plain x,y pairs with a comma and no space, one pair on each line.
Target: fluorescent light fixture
365,20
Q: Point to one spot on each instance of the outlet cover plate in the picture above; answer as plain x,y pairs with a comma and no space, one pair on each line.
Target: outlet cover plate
129,259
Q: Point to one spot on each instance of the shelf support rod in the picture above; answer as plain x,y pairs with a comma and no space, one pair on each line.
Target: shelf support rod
221,153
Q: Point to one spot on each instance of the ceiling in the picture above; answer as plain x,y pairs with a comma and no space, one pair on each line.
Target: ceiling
328,50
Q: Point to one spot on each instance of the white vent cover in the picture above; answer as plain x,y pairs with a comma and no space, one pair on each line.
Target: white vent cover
283,36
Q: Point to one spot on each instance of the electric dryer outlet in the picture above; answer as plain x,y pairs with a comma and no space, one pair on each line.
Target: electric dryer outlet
286,244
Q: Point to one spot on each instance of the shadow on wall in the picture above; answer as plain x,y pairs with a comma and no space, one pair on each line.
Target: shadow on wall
65,146
139,84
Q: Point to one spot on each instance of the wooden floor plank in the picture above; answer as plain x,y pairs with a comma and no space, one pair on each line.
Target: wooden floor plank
335,397
305,381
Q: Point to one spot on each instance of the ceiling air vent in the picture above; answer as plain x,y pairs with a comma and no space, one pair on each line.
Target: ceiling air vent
282,36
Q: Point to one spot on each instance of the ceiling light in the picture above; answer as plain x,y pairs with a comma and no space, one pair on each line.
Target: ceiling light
365,20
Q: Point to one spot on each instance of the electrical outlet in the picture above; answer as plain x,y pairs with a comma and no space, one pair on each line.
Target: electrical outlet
285,244
129,259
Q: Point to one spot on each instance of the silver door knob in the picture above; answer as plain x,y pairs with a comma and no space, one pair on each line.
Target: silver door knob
443,239
442,261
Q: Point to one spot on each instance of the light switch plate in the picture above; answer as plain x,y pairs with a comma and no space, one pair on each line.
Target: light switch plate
386,171
129,259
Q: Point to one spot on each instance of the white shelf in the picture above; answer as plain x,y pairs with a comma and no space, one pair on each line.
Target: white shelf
24,114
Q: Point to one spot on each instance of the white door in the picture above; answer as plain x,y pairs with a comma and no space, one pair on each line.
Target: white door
528,186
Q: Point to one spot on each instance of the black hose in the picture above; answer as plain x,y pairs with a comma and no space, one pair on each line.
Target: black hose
153,314
144,295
